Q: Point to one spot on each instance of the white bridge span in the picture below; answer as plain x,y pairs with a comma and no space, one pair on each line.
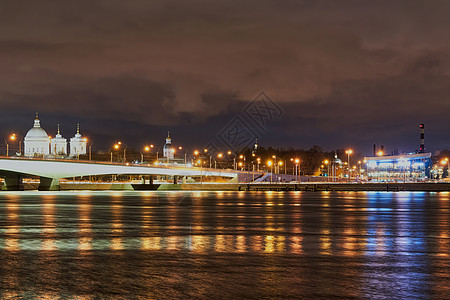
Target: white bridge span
50,171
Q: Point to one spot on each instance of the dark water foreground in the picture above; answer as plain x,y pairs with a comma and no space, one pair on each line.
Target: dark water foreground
91,245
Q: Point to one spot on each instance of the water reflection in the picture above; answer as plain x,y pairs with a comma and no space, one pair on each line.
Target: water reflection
385,241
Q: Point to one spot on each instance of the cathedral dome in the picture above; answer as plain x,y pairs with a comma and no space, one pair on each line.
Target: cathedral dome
36,133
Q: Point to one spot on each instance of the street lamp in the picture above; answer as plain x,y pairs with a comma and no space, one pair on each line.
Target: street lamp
210,157
13,137
327,163
124,150
446,161
219,156
269,163
234,160
7,148
201,170
90,150
146,149
185,155
242,157
297,168
348,152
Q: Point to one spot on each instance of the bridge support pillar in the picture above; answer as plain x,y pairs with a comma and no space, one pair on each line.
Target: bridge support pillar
13,183
150,180
183,180
49,184
175,179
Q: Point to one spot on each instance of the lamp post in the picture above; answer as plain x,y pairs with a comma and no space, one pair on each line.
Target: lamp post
269,163
297,168
201,170
326,162
348,152
444,162
13,137
118,145
146,149
90,151
219,156
7,148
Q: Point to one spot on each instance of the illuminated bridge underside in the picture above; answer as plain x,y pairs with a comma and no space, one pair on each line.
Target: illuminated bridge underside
51,171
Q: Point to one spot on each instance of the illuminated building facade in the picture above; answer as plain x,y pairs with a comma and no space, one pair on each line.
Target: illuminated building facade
168,151
36,141
58,145
78,144
397,168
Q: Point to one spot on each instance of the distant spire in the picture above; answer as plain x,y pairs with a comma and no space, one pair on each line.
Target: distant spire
37,123
168,134
58,129
78,128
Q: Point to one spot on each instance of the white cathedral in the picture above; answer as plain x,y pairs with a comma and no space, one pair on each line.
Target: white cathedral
38,143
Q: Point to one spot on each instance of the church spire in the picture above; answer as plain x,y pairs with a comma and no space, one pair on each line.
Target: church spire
37,123
58,129
78,128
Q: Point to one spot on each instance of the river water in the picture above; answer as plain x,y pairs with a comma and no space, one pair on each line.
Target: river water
150,244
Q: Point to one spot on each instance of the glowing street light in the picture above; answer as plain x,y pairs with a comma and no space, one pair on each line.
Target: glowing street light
327,163
146,149
348,152
13,137
446,161
297,168
270,164
118,145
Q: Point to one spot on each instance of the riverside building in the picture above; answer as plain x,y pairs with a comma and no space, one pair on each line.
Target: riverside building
398,168
37,143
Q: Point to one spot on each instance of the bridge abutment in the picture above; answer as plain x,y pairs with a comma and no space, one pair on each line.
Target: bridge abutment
13,183
49,184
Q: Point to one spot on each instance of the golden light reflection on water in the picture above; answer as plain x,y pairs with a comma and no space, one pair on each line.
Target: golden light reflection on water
151,243
116,244
49,226
240,244
220,245
84,222
12,229
325,242
296,244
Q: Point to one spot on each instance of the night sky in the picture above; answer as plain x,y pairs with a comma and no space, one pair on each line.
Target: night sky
342,73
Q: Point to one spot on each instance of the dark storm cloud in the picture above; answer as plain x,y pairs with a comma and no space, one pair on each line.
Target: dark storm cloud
378,67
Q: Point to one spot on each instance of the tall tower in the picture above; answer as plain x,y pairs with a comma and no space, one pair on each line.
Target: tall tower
78,144
58,145
422,139
168,150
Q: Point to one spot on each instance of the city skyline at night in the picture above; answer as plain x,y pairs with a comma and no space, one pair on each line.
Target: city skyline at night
347,74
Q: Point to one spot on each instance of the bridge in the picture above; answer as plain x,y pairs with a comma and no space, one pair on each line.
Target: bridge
13,170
